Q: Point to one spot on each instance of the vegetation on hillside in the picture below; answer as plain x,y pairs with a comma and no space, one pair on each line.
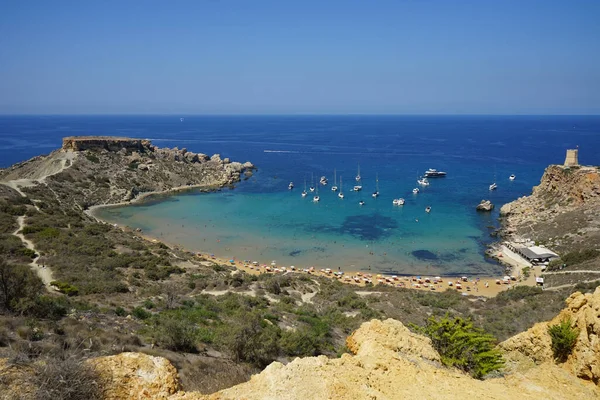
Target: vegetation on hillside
564,337
464,346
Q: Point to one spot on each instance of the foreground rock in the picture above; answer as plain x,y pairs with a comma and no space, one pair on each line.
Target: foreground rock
389,362
535,344
485,205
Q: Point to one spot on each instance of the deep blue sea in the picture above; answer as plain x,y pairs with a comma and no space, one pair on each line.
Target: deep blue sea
262,220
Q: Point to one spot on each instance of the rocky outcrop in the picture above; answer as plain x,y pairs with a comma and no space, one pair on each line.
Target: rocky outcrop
563,211
92,170
109,143
388,362
536,344
136,376
485,205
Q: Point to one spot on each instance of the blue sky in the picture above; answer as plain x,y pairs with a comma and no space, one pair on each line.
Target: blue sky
284,56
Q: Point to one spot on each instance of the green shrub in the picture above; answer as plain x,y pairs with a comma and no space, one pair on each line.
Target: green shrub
120,311
177,334
28,253
462,345
65,288
140,313
564,336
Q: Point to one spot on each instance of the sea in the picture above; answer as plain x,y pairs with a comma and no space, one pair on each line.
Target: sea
260,219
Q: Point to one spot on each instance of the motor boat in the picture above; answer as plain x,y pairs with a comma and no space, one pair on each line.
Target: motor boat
357,188
434,173
323,181
512,177
493,186
361,203
428,209
398,202
415,190
291,185
423,182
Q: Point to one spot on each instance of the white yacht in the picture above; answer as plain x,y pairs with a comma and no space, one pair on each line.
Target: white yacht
428,209
423,181
291,185
341,193
434,173
415,190
375,194
361,203
398,202
512,177
334,188
323,181
357,188
493,186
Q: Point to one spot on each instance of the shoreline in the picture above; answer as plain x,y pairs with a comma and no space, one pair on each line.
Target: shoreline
479,286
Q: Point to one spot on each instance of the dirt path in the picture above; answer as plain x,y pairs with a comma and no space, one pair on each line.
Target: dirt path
582,271
43,272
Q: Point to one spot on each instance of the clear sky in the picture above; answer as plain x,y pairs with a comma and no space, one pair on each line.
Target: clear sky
287,56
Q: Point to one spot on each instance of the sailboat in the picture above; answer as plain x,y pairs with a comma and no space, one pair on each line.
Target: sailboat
304,191
316,198
341,193
358,186
493,186
312,180
334,188
376,192
358,174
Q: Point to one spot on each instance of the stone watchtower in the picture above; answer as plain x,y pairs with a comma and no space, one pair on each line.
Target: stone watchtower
571,160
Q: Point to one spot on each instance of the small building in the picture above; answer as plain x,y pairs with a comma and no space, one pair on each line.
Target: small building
536,254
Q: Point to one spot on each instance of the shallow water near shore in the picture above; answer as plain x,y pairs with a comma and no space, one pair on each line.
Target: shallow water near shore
262,220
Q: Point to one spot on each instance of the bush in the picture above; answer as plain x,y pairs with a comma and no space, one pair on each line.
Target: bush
462,345
564,337
66,379
65,288
140,313
18,285
92,158
177,334
120,311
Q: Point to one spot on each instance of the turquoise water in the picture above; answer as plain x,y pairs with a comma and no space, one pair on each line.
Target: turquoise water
332,233
262,220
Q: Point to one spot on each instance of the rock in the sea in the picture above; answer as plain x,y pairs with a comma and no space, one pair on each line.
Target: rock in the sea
485,205
248,165
216,158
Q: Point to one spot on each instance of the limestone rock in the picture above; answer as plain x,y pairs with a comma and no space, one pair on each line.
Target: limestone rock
137,376
143,167
485,205
226,160
248,165
535,344
216,158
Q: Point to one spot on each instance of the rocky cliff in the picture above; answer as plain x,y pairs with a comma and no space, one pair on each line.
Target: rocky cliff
109,143
563,211
390,362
